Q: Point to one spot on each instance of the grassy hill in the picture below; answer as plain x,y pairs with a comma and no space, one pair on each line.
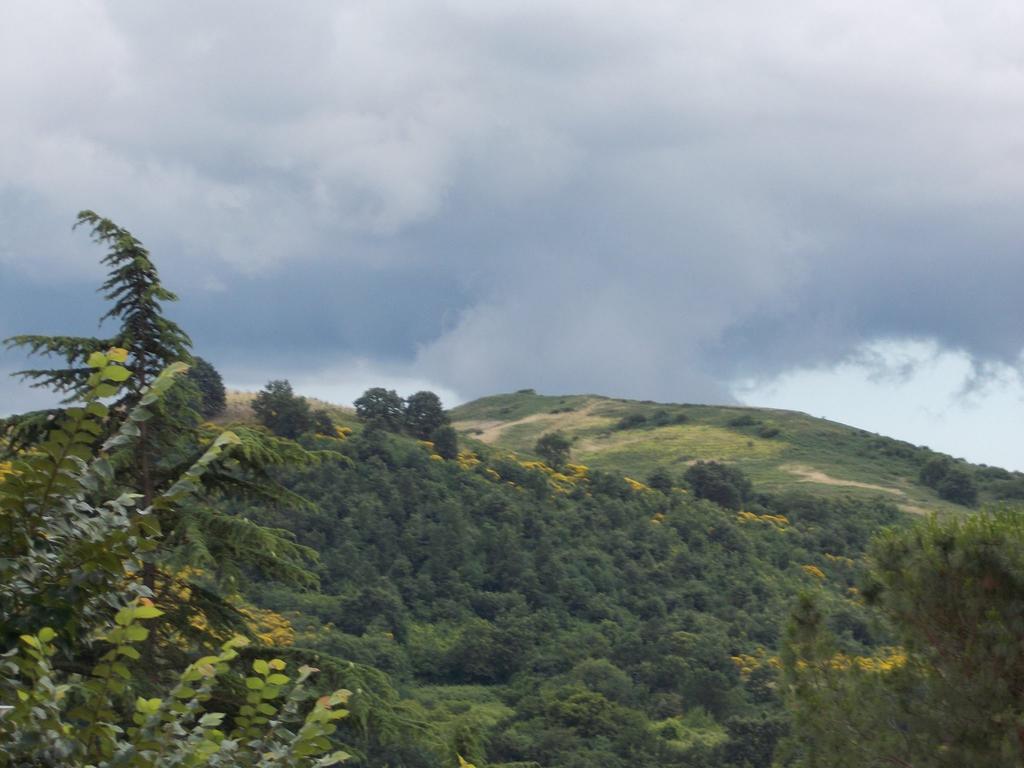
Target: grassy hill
779,450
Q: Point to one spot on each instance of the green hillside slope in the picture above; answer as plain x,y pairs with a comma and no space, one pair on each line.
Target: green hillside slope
779,450
562,620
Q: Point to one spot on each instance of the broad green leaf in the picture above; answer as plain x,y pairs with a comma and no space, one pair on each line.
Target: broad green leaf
147,612
136,632
116,373
46,634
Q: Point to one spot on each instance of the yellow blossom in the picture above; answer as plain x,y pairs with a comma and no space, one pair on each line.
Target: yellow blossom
813,570
636,485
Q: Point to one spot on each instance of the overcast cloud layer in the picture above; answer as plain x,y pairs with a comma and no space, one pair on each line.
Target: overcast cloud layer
486,196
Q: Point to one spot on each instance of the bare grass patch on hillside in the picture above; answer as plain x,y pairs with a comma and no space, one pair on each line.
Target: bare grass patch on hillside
521,434
676,445
812,475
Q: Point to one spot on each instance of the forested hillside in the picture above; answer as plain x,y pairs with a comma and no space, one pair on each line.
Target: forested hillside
567,618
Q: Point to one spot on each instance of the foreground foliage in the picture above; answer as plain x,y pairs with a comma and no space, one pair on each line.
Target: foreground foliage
953,693
70,545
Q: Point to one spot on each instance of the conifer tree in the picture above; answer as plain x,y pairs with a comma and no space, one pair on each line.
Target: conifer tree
210,385
134,288
204,538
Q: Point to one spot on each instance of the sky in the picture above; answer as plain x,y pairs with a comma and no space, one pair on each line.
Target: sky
810,205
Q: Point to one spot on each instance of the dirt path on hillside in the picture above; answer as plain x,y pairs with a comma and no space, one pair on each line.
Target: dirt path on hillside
812,475
484,430
489,430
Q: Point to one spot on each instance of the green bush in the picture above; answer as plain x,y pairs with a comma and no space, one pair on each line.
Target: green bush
725,485
743,420
631,421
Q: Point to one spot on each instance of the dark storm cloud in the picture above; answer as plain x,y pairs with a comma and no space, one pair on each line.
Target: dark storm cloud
540,194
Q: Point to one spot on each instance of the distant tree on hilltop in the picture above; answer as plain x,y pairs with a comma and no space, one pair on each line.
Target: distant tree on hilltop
424,414
210,386
281,411
381,408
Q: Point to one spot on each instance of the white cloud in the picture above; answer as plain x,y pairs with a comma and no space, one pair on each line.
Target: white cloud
913,390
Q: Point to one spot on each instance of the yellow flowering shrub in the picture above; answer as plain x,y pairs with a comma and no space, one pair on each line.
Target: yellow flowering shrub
267,627
636,485
887,660
777,521
746,663
579,471
538,466
263,625
813,570
468,460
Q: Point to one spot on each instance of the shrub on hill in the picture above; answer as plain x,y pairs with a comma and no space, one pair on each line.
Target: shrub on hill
663,418
446,441
951,481
321,422
554,448
281,411
743,420
725,485
959,487
631,421
660,480
934,470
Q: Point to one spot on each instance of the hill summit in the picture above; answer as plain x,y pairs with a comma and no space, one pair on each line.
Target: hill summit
779,450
